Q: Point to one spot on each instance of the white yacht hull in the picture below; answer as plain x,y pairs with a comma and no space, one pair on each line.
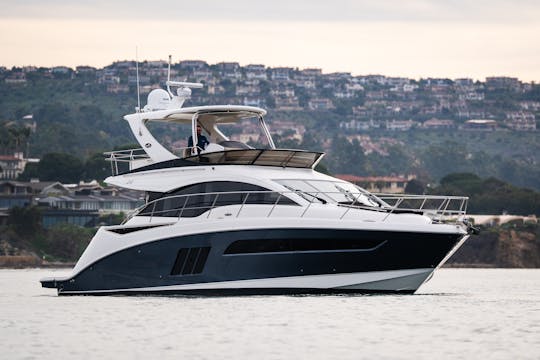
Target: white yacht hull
262,261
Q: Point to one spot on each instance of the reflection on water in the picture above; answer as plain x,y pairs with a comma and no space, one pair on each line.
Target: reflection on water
460,313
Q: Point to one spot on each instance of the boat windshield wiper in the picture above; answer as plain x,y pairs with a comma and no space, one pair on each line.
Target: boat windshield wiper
305,194
318,198
357,199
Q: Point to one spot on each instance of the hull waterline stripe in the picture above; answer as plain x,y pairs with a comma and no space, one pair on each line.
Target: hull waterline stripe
328,281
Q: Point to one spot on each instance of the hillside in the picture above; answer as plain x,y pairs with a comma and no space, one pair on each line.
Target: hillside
367,125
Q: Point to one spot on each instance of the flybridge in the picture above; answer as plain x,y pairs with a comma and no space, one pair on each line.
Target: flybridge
166,106
261,157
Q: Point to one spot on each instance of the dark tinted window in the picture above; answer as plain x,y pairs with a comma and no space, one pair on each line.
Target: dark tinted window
290,245
173,205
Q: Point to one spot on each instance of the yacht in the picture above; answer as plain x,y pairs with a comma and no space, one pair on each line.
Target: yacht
227,218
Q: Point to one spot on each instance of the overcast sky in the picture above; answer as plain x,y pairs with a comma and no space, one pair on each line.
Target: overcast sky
414,38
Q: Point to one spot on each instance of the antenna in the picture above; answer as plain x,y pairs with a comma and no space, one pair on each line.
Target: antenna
169,78
138,88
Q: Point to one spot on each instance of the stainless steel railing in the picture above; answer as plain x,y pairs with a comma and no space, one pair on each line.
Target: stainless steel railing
438,208
129,156
134,158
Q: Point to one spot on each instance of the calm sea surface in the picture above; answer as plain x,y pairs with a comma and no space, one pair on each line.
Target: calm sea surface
460,313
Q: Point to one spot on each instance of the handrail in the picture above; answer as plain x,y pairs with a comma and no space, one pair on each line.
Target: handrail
438,207
129,156
445,205
124,156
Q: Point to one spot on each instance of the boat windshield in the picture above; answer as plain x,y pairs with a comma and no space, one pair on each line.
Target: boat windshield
244,134
325,191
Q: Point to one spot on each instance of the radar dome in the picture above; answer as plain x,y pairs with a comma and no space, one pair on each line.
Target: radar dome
184,92
158,99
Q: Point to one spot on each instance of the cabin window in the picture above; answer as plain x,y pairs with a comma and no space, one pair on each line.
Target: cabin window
300,245
204,196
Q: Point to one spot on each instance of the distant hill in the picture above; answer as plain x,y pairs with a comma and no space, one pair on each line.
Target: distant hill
367,125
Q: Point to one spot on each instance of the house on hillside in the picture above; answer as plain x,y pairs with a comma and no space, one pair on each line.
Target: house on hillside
438,124
14,193
11,166
79,204
521,121
480,125
379,184
192,64
400,125
281,74
287,103
320,104
255,71
503,82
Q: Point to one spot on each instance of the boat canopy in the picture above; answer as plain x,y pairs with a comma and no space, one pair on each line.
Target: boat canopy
165,106
208,117
215,114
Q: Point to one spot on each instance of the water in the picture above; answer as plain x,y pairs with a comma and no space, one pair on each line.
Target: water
460,313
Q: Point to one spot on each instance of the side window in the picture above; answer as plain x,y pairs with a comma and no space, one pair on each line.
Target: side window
211,194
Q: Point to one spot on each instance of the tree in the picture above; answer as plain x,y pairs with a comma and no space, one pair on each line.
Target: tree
97,167
31,171
322,169
67,241
347,157
25,221
415,187
60,167
490,196
13,138
310,141
19,137
459,179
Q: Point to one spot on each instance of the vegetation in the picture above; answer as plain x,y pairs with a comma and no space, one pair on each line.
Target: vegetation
75,115
62,242
513,244
13,138
490,195
66,242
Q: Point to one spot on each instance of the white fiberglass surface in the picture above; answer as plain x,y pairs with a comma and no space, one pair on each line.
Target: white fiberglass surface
331,191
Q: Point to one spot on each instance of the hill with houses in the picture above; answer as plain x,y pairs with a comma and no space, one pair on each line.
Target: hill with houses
387,134
369,125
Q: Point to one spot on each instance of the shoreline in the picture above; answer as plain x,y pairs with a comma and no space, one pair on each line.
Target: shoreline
41,266
28,261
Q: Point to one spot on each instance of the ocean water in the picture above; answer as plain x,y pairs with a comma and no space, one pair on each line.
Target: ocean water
460,313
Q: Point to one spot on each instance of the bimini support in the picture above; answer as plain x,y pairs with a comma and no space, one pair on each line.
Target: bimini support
194,133
266,132
151,146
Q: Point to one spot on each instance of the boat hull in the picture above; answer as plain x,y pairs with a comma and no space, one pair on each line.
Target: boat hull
268,261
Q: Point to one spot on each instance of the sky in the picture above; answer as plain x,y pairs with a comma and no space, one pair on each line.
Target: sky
413,38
